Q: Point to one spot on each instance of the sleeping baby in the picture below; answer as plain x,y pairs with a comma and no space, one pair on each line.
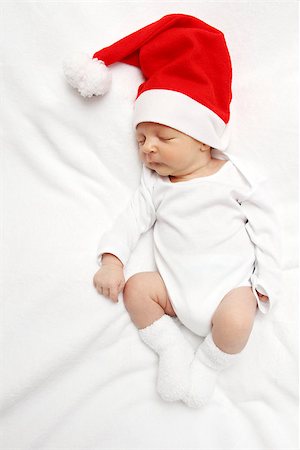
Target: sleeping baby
215,233
214,243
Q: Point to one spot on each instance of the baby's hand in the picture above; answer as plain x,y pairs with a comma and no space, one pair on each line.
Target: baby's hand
109,281
262,297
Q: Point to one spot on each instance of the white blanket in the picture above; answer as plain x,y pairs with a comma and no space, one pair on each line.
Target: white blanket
74,372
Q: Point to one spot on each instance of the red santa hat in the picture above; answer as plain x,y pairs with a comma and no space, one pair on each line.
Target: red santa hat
187,71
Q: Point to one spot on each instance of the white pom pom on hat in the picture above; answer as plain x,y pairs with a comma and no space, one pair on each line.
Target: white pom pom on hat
187,71
89,76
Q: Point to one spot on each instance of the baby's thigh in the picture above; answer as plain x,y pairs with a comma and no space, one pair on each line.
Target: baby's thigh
239,305
149,285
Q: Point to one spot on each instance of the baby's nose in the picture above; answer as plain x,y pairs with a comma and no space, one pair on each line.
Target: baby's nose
149,147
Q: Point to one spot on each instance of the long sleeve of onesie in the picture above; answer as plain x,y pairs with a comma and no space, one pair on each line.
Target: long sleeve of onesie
264,231
137,217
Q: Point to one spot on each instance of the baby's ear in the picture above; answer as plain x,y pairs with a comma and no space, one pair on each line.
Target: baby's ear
204,147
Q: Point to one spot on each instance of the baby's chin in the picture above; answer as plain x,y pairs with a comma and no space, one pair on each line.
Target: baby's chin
159,168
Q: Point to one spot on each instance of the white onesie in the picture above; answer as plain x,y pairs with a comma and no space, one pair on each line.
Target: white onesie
211,234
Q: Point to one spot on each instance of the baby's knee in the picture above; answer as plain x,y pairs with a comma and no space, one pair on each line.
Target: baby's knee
146,287
233,324
134,288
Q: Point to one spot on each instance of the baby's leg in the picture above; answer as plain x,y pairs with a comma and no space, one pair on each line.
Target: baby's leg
146,300
233,320
232,323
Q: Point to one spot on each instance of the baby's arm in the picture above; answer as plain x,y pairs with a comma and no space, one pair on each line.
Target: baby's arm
264,231
118,242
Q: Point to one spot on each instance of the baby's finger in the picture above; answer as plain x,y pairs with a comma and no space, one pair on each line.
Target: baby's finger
98,288
94,282
262,297
121,286
113,294
105,292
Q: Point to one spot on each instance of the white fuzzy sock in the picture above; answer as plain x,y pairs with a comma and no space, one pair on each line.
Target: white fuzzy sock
209,361
175,357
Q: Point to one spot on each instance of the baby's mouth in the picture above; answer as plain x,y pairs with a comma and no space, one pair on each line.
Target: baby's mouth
153,162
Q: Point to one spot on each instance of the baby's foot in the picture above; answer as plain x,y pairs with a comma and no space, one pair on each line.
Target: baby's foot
175,356
202,383
208,363
173,371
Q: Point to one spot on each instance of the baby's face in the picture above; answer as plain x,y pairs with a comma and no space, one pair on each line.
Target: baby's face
166,150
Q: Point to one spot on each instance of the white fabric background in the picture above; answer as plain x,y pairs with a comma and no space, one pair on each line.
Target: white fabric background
74,371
